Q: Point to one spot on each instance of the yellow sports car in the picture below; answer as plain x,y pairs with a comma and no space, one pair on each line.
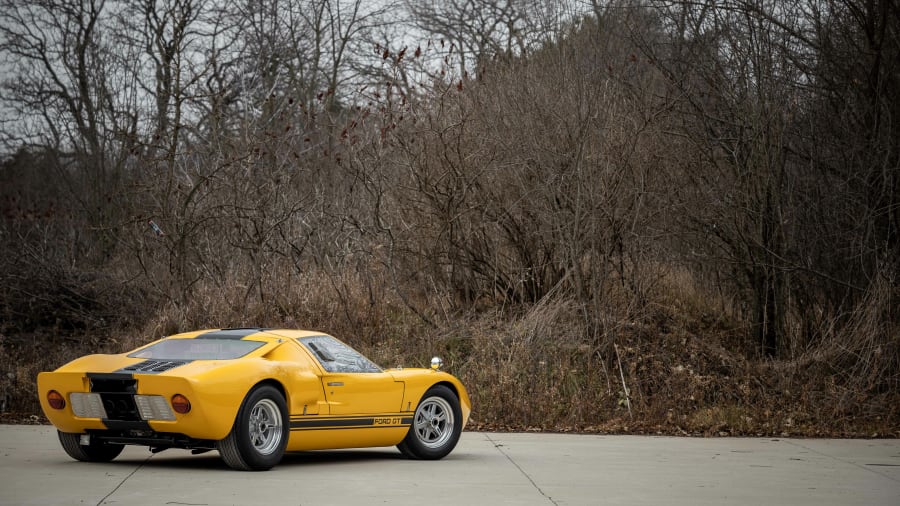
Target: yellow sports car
251,394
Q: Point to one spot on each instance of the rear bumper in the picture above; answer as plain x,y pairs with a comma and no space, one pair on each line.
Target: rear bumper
211,417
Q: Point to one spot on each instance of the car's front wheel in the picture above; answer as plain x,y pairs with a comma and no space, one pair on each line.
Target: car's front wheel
436,425
260,433
94,452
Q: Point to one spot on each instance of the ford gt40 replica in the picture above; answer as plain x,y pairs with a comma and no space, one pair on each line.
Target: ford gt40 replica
251,394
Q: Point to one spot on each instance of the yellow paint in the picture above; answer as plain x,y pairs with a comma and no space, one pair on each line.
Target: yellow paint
362,393
345,438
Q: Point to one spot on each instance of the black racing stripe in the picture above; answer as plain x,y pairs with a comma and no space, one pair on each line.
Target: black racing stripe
230,333
357,422
110,375
307,429
112,382
298,418
311,424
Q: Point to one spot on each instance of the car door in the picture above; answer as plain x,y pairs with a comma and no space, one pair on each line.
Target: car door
353,384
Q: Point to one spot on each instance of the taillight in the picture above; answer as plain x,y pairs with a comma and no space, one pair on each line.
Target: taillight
55,400
181,404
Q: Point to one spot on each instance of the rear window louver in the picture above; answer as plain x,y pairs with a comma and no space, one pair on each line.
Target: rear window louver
154,366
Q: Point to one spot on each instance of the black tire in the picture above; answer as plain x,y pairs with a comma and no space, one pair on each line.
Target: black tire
260,432
95,452
436,426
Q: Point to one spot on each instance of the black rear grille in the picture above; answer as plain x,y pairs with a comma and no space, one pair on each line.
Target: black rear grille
154,366
117,393
120,407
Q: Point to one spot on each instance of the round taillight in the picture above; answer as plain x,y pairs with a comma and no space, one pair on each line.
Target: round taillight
181,404
55,400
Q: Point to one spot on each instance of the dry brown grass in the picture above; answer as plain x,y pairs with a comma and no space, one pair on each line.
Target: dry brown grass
667,367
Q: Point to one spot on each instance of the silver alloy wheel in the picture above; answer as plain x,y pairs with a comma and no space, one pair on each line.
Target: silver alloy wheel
434,422
265,426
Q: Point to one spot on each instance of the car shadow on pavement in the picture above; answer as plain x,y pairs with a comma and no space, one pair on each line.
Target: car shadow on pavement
176,459
339,457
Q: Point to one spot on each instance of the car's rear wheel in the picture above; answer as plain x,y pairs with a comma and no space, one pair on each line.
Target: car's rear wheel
436,425
260,433
94,452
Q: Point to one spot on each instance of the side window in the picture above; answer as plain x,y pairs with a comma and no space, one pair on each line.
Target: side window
336,356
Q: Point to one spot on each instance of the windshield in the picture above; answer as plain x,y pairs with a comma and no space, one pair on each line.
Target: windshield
198,349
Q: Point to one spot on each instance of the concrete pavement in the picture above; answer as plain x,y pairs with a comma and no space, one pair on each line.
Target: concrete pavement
486,468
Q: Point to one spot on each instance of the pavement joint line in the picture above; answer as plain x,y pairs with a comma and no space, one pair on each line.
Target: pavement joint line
136,469
852,463
499,448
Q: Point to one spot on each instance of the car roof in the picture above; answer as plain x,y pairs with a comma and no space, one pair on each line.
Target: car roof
253,333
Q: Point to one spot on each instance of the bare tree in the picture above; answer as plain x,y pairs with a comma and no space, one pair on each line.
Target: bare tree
476,31
167,29
766,88
742,182
304,50
63,84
